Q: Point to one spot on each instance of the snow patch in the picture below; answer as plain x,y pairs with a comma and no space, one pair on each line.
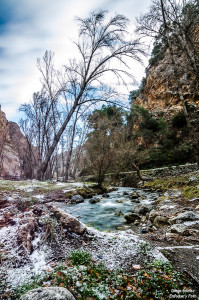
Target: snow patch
118,249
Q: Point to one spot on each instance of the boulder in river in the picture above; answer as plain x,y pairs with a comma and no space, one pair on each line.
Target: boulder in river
120,201
105,195
77,199
135,200
118,213
141,209
94,200
125,193
48,293
134,195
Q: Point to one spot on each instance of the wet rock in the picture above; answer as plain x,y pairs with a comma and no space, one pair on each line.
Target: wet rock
68,222
134,195
112,189
180,229
26,232
197,207
48,293
105,195
120,200
132,217
185,216
118,213
135,200
94,200
141,209
77,199
160,221
143,230
125,193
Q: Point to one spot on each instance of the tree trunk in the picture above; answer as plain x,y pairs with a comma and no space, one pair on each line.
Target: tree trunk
44,165
70,150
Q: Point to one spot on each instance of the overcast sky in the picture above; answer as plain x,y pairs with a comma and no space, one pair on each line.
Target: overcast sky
29,27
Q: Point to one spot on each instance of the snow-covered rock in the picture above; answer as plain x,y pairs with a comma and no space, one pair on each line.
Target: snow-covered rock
68,222
186,216
48,293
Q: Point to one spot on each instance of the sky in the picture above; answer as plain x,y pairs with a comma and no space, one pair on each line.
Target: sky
30,27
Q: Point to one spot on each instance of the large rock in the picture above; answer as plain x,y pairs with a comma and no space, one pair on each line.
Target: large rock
141,209
134,195
68,222
48,293
160,221
77,199
153,214
118,213
132,217
186,216
180,229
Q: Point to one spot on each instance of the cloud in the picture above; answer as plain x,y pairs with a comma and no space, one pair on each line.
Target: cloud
28,28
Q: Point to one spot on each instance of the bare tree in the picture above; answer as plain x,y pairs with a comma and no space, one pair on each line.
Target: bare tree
104,47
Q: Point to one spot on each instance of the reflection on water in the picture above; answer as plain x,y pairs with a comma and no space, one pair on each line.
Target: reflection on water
109,212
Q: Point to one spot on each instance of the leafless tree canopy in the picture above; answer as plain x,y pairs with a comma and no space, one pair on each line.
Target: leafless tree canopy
104,46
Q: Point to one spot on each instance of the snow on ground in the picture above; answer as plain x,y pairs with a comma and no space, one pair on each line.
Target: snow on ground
196,247
40,197
115,249
17,268
118,249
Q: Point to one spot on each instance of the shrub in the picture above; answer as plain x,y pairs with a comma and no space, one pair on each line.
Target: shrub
179,120
80,257
24,204
130,180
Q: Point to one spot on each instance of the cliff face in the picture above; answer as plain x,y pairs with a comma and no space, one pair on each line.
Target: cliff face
160,91
12,148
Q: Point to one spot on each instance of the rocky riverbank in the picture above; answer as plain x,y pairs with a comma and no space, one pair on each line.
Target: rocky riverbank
36,234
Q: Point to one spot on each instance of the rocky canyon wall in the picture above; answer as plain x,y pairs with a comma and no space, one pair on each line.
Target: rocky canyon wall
160,93
13,147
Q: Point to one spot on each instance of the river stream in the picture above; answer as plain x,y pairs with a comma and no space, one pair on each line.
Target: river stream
108,213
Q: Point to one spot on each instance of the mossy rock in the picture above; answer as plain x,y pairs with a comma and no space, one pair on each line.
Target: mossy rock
69,194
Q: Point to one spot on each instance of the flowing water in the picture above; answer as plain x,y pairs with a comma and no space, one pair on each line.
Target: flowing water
109,212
